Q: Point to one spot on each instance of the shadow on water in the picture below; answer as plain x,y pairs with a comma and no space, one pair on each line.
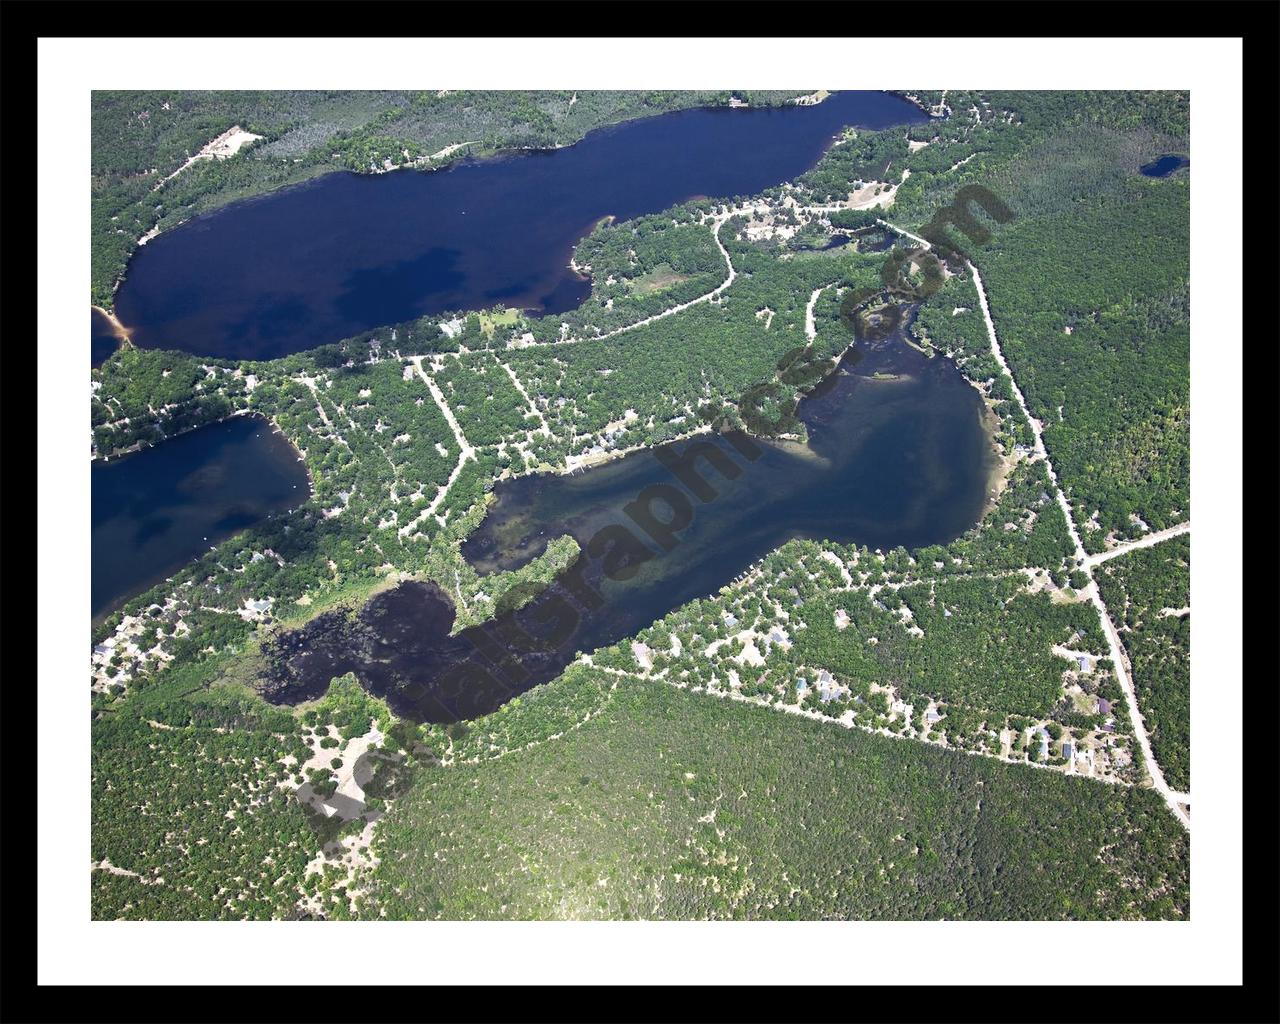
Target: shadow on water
898,455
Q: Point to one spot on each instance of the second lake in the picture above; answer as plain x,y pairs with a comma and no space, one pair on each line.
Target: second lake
898,454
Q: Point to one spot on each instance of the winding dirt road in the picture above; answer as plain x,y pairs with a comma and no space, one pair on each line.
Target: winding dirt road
1149,540
467,451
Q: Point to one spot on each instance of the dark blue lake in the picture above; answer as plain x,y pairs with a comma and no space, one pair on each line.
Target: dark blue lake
346,253
158,508
1165,166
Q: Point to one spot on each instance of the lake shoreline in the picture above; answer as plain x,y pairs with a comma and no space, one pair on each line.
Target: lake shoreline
455,156
121,331
202,295
152,517
142,446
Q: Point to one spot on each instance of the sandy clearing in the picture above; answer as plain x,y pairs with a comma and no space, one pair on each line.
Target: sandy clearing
117,327
874,195
106,865
811,99
353,773
450,150
228,144
810,328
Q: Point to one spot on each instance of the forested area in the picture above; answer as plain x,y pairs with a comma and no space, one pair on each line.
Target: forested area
527,720
708,356
484,401
986,643
1092,311
1026,528
395,443
187,800
140,398
639,268
951,321
860,157
198,809
1039,152
672,805
1088,284
1148,592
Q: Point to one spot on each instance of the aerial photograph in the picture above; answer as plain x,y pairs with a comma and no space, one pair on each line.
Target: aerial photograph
640,505
621,504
